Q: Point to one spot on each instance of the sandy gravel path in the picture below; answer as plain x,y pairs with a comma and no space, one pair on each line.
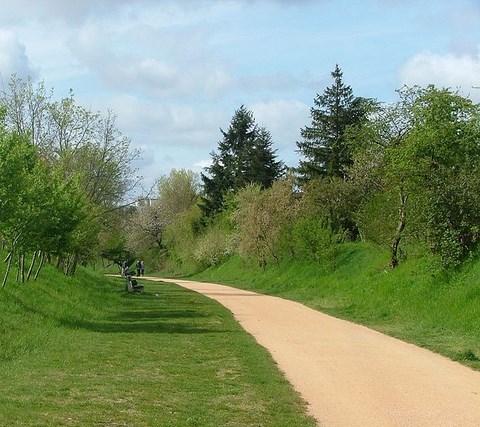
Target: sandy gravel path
349,374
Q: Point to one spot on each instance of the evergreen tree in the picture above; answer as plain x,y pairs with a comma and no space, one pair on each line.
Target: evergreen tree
245,156
324,147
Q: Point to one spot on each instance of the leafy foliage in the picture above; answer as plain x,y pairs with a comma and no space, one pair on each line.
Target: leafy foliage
420,158
394,174
214,246
150,220
180,238
260,218
63,169
40,210
334,201
442,157
313,241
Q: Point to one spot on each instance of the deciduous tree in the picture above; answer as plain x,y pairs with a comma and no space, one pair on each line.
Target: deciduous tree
261,217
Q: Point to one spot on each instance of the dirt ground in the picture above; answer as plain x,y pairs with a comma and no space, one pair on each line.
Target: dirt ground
349,374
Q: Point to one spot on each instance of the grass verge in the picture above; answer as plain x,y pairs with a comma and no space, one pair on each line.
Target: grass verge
414,302
81,352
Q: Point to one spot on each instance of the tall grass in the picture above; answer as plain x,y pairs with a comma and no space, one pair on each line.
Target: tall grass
415,302
79,351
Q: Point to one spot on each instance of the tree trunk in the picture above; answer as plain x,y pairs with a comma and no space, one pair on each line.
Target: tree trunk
66,262
21,267
7,271
70,265
40,265
32,264
17,277
400,227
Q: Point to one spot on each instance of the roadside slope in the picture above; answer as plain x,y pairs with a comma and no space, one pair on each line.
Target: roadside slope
349,374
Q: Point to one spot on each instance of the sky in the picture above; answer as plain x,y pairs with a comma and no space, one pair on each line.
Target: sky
175,71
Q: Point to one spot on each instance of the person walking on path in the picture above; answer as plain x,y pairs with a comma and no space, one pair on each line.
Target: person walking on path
138,268
124,268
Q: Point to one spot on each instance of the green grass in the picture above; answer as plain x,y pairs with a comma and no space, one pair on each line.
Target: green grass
415,302
81,352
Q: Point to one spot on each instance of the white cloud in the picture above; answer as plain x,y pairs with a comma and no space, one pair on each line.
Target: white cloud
451,71
169,135
175,70
158,63
201,165
72,12
168,125
13,57
283,119
159,78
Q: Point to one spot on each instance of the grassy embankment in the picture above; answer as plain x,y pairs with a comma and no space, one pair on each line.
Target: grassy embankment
81,352
414,302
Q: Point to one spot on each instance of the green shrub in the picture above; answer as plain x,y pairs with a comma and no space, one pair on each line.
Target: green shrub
214,247
260,219
312,241
377,218
179,236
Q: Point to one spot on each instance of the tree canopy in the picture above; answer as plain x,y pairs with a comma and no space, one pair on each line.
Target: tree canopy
63,168
419,165
398,174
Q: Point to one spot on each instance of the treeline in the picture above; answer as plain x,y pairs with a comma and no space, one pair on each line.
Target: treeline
63,171
404,175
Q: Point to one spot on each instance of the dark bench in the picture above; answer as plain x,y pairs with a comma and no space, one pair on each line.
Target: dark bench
132,286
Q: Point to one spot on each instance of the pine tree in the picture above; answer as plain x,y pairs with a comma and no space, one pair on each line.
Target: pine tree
245,156
324,147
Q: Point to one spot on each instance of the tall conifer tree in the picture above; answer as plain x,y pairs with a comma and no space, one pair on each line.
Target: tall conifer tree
324,148
245,156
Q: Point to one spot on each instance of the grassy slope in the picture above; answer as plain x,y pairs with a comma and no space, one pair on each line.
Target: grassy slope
81,352
411,302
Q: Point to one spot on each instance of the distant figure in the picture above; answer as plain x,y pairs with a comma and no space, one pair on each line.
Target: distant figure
138,266
142,268
124,268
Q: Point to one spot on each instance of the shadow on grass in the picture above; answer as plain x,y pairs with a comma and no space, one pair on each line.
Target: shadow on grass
134,325
165,309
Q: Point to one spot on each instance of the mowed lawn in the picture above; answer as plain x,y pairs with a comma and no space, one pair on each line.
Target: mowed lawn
85,353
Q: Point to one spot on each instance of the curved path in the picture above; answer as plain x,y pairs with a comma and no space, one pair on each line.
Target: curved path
351,375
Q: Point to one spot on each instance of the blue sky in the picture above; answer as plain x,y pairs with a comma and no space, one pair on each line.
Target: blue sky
175,71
